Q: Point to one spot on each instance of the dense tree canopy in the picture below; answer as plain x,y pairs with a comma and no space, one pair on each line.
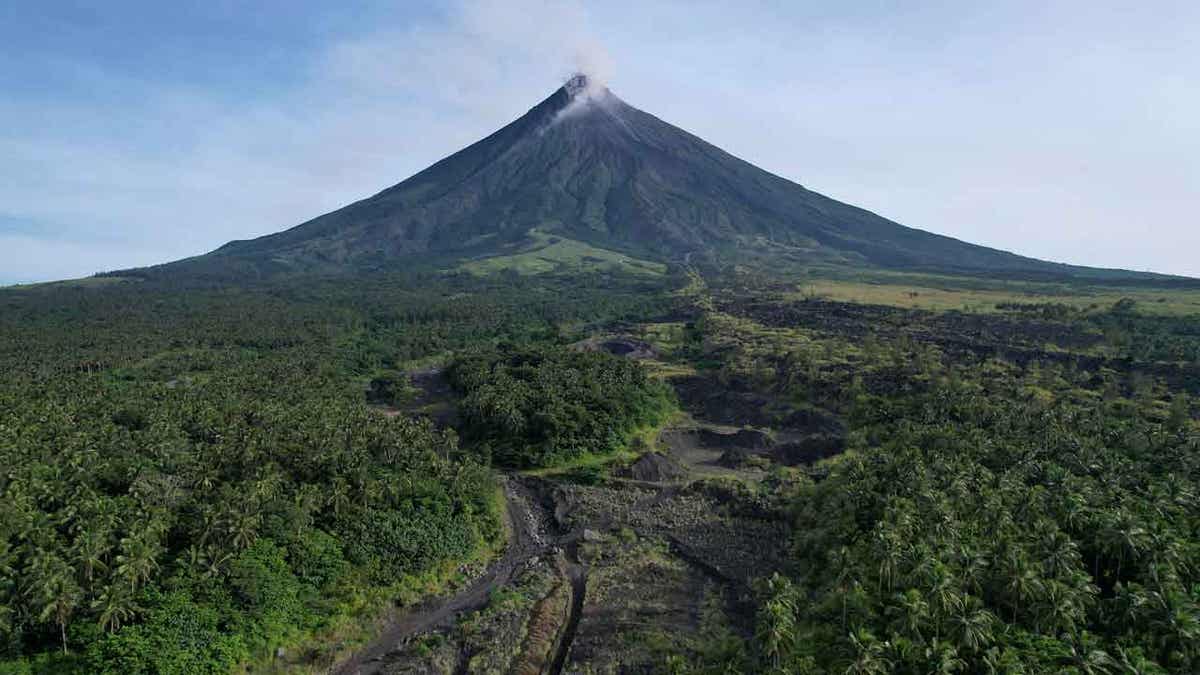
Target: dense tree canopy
191,476
534,407
1005,535
1008,509
253,497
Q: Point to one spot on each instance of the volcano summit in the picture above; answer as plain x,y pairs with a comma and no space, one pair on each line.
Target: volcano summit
587,168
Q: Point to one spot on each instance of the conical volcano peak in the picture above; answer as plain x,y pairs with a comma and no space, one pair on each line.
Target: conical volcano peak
578,83
582,86
583,93
591,168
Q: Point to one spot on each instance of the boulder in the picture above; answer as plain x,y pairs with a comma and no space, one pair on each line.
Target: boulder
654,467
749,439
733,458
809,449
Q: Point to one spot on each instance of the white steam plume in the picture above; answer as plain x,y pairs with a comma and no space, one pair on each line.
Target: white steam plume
588,84
593,61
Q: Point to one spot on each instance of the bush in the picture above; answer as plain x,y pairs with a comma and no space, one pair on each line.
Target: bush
388,389
317,559
398,544
537,407
177,636
267,592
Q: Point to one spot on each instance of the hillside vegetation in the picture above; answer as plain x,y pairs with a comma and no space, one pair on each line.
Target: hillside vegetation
192,478
197,477
1007,501
544,253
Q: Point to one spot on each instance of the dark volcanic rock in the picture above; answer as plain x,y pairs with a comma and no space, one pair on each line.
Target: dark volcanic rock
749,439
619,346
813,421
654,467
713,402
809,449
733,458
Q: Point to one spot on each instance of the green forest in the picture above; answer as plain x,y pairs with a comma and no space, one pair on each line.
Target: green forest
1026,508
198,478
192,477
538,407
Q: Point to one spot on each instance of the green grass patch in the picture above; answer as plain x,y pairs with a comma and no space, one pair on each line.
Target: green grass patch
548,253
971,295
641,440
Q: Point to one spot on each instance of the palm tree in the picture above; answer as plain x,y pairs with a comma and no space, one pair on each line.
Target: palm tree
945,595
943,659
972,624
138,559
1060,554
997,661
911,612
268,487
776,629
1133,662
870,655
1023,584
338,495
1075,512
845,577
1088,659
242,526
890,555
1132,603
1125,537
53,591
1058,608
1175,624
115,605
7,585
209,561
306,503
91,550
973,565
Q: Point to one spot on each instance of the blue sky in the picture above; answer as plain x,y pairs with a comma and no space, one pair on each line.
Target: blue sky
139,132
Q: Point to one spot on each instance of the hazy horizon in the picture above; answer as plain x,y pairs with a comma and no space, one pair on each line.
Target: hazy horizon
138,133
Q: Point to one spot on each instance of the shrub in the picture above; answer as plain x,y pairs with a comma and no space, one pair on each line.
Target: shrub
267,592
177,636
541,406
317,559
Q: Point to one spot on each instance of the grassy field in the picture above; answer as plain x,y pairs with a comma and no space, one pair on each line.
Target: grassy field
549,253
946,293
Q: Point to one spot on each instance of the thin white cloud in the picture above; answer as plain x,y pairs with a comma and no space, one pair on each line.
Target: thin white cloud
1069,132
48,258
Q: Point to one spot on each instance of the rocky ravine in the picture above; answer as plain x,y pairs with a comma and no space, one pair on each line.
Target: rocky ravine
595,579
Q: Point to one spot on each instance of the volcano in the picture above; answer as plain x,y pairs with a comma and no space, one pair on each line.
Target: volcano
586,170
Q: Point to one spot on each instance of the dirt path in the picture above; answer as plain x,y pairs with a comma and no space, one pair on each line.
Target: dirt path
526,539
576,577
553,521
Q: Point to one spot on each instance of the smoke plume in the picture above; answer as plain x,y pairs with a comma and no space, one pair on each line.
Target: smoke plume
593,61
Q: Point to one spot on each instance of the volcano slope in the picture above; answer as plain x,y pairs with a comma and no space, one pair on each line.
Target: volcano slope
585,180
